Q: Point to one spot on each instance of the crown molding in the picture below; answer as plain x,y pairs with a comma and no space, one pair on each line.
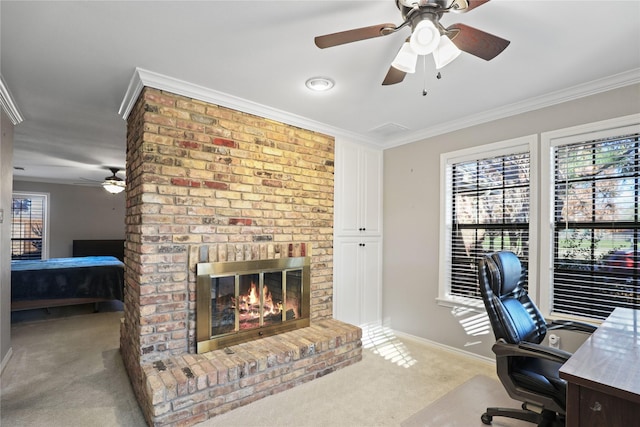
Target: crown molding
569,94
142,78
8,104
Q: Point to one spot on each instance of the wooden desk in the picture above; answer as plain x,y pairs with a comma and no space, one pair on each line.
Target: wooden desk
603,375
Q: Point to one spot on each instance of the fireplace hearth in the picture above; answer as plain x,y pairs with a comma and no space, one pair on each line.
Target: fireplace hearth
247,300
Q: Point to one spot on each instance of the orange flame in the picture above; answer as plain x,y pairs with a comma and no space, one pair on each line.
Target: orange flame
250,303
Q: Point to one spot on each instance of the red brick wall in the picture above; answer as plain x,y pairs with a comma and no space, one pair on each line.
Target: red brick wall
204,179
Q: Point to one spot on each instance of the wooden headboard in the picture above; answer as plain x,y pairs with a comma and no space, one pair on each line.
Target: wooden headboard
99,248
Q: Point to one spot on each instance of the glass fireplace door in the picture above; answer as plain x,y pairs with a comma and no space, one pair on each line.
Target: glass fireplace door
244,300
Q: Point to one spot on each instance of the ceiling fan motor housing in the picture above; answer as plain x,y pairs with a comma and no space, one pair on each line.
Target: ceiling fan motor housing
414,15
435,4
420,3
113,176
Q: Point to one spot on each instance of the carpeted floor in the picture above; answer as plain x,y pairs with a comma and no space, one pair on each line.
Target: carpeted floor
463,406
67,371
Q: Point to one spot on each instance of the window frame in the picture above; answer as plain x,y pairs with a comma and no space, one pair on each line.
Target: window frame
45,220
523,144
610,128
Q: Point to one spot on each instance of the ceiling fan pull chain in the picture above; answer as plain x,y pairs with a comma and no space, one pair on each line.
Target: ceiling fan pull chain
424,72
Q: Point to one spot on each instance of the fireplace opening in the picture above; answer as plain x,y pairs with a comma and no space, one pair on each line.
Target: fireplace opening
246,300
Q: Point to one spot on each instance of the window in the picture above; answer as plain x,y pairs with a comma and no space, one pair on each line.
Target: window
593,230
589,232
487,207
29,226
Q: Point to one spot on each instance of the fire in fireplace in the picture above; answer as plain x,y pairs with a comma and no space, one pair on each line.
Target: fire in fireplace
246,300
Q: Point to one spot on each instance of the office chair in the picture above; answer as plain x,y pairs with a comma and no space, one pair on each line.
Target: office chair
527,370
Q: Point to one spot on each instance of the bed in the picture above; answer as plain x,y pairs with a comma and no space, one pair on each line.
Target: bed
66,281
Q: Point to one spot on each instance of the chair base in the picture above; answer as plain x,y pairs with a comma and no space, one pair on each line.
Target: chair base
541,419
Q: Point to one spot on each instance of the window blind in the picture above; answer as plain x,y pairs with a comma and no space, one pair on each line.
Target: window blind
490,212
595,227
27,226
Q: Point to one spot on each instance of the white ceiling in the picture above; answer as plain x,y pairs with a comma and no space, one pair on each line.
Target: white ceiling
68,65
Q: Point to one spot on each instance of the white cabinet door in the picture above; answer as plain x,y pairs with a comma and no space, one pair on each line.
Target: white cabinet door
371,281
358,190
358,290
346,294
371,191
347,191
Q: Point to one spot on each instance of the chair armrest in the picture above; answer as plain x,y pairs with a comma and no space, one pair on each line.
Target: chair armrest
572,326
528,349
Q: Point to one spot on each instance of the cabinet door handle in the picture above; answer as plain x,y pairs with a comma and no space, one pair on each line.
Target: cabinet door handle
361,244
597,407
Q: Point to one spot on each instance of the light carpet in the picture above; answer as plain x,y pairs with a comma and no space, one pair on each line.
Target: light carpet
463,406
68,371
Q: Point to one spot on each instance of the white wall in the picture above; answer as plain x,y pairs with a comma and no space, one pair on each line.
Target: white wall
6,174
79,212
411,214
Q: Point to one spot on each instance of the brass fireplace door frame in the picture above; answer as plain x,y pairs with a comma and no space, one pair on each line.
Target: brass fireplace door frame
208,271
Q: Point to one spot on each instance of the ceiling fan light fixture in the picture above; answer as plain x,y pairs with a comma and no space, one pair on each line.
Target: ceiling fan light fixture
113,186
446,52
405,59
425,37
319,84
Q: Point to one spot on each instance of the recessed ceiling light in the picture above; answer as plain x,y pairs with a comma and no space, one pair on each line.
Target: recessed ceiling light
319,84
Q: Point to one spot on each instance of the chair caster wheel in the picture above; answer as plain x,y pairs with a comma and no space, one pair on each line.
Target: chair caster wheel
486,418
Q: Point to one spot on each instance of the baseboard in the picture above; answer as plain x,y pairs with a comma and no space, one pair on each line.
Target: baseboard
5,360
446,347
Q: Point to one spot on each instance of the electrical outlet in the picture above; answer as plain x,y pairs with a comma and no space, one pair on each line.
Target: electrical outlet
554,341
1,216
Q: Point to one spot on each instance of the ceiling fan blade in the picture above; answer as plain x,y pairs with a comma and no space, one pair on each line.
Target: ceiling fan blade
354,35
393,76
477,42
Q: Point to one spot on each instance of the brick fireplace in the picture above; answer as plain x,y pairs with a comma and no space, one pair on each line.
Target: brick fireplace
207,184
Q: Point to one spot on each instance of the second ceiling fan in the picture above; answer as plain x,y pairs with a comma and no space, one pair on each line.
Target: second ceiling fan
428,36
